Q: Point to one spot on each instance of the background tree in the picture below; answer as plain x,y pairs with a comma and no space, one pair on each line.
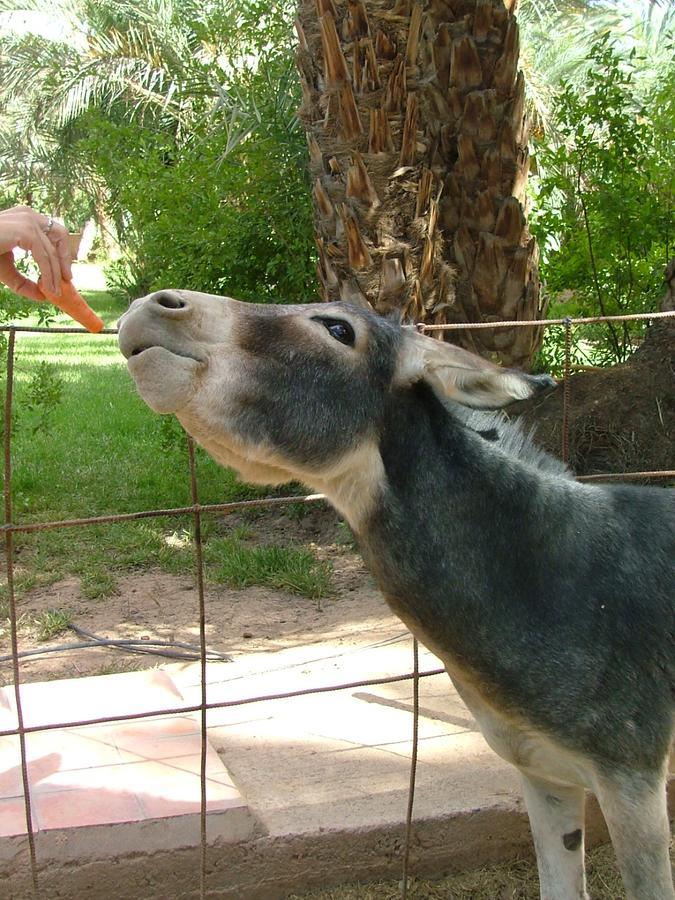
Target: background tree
557,36
605,194
418,139
419,146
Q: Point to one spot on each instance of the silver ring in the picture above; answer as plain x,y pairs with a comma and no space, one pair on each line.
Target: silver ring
48,226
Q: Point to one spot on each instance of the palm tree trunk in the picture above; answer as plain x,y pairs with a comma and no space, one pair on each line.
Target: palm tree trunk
417,134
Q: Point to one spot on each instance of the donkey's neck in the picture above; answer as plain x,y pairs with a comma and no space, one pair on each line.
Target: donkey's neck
450,502
355,484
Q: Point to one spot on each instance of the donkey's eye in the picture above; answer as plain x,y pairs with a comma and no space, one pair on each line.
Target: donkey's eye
339,329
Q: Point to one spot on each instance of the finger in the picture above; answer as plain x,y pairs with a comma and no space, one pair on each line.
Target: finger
46,258
60,239
53,261
17,282
14,226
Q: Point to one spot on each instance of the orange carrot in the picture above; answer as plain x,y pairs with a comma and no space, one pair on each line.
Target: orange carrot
75,305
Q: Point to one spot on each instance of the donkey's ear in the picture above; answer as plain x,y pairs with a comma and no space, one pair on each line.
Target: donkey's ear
463,377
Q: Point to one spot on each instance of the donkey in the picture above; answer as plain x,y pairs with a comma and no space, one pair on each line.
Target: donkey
549,602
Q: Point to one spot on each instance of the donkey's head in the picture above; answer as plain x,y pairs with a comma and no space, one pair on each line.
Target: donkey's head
286,393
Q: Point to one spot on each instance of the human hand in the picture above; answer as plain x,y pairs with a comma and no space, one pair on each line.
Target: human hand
45,239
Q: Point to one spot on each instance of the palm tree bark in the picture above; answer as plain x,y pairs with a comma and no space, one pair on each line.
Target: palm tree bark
417,135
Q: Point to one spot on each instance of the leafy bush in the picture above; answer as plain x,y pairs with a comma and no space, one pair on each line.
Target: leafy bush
199,213
46,385
603,205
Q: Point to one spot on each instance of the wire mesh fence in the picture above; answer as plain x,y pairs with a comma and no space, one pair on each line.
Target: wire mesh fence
197,511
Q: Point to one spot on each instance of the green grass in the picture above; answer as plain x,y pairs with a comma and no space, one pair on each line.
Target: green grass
98,450
96,585
285,568
51,623
103,450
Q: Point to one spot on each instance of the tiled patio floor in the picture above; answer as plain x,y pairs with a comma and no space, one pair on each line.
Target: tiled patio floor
132,771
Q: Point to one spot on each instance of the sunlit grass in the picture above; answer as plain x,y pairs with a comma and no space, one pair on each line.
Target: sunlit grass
285,568
103,450
77,353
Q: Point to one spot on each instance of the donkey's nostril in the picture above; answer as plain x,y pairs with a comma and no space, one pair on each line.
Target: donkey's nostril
169,299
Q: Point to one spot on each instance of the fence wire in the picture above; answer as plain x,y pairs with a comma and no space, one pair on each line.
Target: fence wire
196,510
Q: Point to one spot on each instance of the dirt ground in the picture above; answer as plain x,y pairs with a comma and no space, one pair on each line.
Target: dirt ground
153,605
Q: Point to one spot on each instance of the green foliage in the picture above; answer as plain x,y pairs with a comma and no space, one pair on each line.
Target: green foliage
44,394
604,200
171,434
556,37
192,217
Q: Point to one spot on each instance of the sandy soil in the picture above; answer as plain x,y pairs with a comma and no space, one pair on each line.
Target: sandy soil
153,605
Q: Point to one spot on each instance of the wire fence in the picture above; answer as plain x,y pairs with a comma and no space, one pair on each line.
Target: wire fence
197,510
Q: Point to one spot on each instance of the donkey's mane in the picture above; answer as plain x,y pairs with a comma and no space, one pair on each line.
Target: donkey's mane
511,437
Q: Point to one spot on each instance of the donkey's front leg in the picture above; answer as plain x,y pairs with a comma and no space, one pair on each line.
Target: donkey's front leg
636,811
557,821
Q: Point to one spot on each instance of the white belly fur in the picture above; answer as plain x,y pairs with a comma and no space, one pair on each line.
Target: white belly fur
521,744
